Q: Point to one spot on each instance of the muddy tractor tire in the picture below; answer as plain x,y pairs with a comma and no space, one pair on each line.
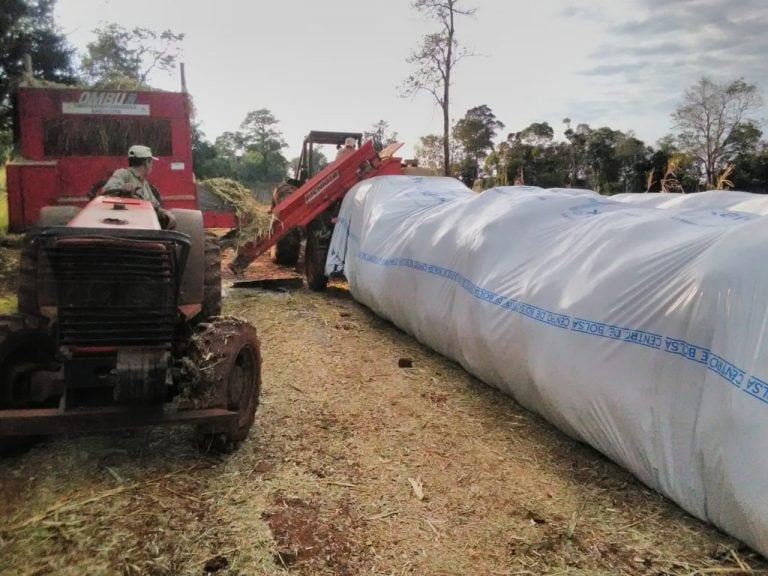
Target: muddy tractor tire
211,280
315,255
227,356
286,251
24,345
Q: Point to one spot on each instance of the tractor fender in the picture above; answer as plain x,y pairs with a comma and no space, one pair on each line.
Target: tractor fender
190,222
56,215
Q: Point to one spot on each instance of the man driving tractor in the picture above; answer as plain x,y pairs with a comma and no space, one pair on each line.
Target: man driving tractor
132,182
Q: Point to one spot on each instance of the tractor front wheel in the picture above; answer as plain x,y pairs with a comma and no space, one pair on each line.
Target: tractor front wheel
24,348
227,356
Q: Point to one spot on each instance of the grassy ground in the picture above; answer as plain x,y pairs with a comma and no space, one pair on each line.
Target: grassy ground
355,466
3,202
9,260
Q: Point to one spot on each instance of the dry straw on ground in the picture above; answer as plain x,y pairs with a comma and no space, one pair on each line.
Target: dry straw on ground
255,221
355,466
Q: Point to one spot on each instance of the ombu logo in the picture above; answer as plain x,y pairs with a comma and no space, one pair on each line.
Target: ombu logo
106,98
117,103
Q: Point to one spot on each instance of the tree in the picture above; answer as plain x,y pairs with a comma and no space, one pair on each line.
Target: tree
317,161
475,132
577,139
27,27
259,135
435,59
668,169
602,162
122,58
708,119
382,135
251,155
205,156
531,157
632,155
537,134
429,151
751,172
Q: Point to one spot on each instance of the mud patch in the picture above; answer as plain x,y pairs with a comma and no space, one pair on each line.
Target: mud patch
310,539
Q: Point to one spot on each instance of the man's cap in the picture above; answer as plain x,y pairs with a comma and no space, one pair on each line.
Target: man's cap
139,151
350,142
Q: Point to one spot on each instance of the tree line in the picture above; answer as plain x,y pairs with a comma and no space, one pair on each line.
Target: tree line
716,144
121,58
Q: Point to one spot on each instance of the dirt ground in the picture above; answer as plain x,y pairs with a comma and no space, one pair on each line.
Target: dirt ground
355,466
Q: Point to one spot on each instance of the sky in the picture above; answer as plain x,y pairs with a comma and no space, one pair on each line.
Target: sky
340,64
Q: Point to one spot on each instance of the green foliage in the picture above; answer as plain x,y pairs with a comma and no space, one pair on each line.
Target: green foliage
537,134
611,161
317,162
467,171
122,58
429,151
602,159
252,155
262,143
475,133
751,173
6,145
542,164
27,27
204,154
382,135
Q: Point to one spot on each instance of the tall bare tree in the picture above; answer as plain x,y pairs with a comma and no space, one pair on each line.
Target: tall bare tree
435,59
711,119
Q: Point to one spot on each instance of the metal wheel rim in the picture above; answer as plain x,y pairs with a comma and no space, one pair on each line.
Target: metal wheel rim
239,385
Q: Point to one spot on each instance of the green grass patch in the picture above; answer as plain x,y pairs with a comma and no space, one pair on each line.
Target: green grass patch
8,305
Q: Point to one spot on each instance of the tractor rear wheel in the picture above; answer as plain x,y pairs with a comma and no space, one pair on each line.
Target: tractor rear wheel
27,290
227,355
24,347
285,252
211,280
315,255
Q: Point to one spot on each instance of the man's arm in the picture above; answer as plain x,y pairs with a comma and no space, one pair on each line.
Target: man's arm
119,184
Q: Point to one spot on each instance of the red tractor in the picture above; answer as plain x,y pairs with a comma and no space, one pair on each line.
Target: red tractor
119,325
308,205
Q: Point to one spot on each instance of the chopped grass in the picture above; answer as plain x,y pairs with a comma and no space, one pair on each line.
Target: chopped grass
254,219
325,484
3,202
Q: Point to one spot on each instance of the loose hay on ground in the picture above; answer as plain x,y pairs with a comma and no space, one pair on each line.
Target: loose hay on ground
254,219
323,484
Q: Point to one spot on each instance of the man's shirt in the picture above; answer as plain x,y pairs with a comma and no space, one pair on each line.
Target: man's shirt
116,185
